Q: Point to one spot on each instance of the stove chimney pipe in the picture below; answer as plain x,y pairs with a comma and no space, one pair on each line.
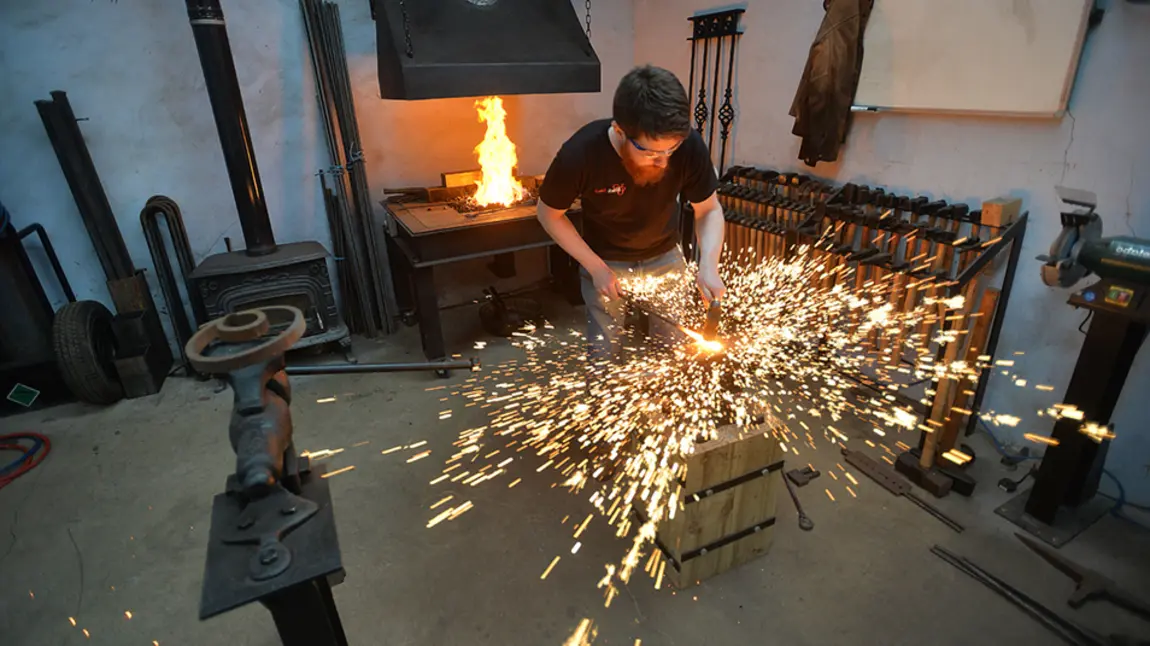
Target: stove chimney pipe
211,34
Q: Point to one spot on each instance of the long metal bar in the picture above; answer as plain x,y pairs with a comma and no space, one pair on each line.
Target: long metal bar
108,229
84,183
362,368
51,118
686,231
211,35
691,75
1012,232
1069,631
1019,233
715,95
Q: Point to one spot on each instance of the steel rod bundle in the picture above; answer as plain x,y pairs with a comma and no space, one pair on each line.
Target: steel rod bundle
914,248
362,263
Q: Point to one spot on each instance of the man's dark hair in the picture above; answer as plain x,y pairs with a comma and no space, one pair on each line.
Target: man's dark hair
651,101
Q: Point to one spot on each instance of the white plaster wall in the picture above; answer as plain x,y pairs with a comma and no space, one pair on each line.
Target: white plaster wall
130,68
1105,148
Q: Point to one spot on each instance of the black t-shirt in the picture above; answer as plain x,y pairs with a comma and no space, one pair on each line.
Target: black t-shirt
621,220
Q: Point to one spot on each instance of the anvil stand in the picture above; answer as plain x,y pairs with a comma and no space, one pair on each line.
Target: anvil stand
272,537
273,543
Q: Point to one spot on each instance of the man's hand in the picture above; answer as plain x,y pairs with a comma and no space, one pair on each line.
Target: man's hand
605,281
710,285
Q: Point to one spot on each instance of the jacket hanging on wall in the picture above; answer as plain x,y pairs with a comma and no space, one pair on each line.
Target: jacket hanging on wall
822,105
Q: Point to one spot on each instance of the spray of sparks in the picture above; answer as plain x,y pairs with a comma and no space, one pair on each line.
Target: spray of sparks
797,337
793,334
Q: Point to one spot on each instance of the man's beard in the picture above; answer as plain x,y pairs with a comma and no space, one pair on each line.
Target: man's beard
643,175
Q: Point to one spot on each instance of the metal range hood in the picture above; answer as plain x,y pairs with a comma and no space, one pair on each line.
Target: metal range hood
431,49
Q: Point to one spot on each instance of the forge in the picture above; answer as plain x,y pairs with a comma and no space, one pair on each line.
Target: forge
472,214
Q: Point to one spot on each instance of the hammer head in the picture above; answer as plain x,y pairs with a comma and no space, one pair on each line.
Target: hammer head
711,326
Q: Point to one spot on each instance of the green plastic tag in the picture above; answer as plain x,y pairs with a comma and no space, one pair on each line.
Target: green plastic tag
23,395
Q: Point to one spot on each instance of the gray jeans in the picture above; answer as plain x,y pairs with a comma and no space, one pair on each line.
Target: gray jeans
605,318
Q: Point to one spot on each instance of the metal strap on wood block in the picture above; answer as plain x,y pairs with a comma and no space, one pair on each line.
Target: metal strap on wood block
734,482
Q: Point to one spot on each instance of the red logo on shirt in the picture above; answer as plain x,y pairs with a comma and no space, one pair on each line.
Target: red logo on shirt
615,189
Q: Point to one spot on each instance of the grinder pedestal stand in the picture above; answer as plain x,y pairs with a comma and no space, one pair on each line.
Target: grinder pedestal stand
1062,501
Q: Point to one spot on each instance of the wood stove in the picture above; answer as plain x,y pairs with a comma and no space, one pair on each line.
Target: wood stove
294,274
264,273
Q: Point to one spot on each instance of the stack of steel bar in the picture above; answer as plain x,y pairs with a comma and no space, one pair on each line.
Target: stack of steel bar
903,248
364,272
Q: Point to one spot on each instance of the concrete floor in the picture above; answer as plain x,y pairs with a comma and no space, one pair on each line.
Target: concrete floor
116,520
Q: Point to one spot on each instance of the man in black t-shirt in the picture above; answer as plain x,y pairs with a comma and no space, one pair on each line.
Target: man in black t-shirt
630,172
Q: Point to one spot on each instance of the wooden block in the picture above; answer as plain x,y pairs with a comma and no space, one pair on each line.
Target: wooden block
730,490
979,334
1001,211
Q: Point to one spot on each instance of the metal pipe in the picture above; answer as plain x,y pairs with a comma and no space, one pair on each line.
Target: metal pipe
362,368
211,34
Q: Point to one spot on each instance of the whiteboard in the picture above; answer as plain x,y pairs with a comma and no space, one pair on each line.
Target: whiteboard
1010,57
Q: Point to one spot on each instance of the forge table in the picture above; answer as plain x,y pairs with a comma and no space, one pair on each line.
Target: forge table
423,235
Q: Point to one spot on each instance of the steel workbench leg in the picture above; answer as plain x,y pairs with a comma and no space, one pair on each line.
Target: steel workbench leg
427,309
401,270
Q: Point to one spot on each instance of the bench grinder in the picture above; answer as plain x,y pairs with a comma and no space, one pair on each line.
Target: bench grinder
1061,503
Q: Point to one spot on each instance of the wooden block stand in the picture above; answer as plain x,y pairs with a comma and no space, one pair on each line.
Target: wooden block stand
728,514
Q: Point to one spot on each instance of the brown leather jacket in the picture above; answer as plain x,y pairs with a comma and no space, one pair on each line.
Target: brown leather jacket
822,104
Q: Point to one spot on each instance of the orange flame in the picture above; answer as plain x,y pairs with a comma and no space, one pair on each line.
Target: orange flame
496,157
702,343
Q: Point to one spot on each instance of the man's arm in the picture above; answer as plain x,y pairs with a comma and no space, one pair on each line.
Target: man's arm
709,227
559,227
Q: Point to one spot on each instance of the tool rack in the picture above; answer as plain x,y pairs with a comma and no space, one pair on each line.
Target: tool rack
882,235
